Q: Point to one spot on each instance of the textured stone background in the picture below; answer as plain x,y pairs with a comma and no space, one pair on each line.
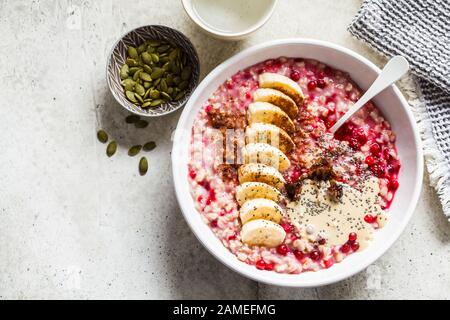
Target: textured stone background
75,224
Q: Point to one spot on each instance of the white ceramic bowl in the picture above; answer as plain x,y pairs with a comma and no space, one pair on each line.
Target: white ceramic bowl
229,19
392,104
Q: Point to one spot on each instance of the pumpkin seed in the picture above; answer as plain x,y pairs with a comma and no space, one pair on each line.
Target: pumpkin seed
155,57
151,49
134,150
145,76
139,89
175,68
156,102
130,96
111,148
163,85
163,48
154,94
147,84
134,69
179,95
177,80
138,97
154,43
157,81
173,54
132,52
149,146
136,74
183,85
143,166
147,69
146,104
146,57
166,96
142,48
157,73
131,62
166,66
102,136
132,118
141,124
124,72
186,73
169,90
164,59
128,84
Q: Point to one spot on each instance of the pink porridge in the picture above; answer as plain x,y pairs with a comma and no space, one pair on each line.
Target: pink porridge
364,148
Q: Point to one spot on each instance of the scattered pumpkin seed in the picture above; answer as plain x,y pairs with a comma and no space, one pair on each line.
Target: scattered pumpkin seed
157,73
132,118
131,62
102,136
179,95
111,148
149,146
139,98
134,150
143,166
154,43
155,57
186,73
183,85
141,124
163,48
124,71
146,104
146,57
147,69
133,70
163,85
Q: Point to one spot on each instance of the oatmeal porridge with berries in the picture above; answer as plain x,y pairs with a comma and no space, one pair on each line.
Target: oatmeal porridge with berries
278,189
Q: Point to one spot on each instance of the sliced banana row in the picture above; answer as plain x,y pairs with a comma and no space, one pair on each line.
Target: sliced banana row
268,141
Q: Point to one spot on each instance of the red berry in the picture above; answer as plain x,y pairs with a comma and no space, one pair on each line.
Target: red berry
312,85
260,264
208,201
370,161
375,149
213,223
321,83
287,227
208,108
269,266
345,248
232,237
379,170
299,254
212,195
192,174
370,218
314,255
321,75
248,96
355,246
359,134
352,236
282,249
229,85
328,263
393,184
354,143
322,241
295,75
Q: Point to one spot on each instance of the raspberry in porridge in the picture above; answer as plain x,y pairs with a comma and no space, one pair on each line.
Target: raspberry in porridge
276,187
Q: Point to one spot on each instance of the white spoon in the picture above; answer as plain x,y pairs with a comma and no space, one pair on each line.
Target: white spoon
392,71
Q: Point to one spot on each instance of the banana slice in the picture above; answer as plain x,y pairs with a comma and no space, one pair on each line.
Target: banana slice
277,98
270,134
262,232
257,172
282,83
252,190
260,209
266,154
268,113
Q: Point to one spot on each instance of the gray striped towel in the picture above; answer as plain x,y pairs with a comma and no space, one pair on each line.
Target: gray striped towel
419,30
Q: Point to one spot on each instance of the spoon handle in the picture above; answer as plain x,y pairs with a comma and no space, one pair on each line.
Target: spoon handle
392,71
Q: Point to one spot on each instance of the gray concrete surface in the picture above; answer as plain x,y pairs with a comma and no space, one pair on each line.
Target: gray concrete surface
75,224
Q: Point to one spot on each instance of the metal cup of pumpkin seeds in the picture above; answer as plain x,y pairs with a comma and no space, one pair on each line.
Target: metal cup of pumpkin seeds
153,70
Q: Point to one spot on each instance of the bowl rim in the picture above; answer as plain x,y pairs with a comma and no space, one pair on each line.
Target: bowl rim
187,5
239,267
108,62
